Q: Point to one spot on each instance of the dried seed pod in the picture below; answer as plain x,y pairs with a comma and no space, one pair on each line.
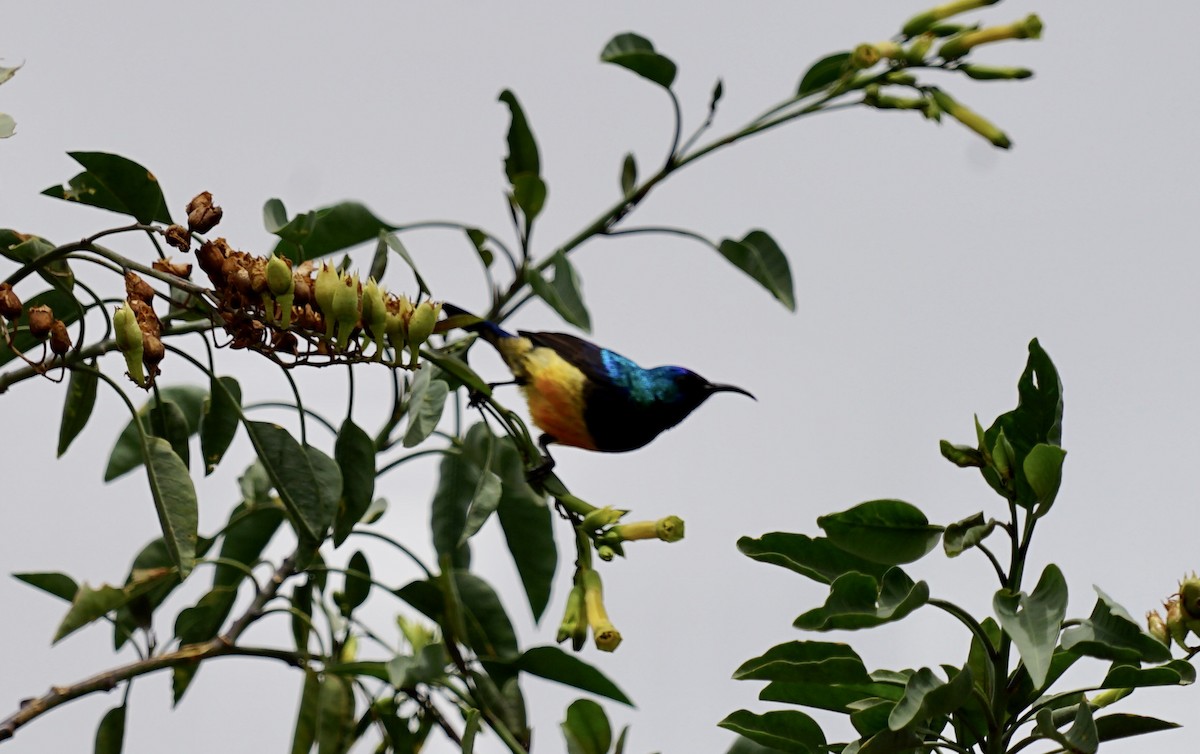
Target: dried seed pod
147,320
203,215
179,237
137,288
302,289
10,305
178,269
60,339
152,353
211,258
41,318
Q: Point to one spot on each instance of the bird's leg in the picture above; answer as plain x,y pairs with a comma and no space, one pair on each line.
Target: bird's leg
539,472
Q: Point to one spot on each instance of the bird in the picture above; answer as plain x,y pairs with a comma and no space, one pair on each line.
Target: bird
586,396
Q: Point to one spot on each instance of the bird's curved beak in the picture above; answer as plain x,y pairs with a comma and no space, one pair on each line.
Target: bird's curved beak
729,389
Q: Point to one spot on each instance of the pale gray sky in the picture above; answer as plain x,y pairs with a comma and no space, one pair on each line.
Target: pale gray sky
924,262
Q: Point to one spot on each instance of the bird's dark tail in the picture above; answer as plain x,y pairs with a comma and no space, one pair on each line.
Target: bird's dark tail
461,318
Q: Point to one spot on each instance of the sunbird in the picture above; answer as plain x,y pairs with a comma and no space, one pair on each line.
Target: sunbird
586,396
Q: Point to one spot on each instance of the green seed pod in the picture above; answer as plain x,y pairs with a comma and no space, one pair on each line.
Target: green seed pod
1189,597
129,341
346,309
420,326
279,276
374,315
1175,625
324,288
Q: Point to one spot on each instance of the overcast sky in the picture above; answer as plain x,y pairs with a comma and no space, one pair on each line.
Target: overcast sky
924,261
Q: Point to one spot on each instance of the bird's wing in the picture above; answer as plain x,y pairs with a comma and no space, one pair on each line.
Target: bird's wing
585,356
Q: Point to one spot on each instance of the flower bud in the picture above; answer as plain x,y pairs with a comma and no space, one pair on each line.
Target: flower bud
129,341
202,214
10,306
41,319
864,56
601,517
957,46
349,651
926,20
606,553
1003,456
60,339
604,633
919,48
574,623
971,119
280,283
990,73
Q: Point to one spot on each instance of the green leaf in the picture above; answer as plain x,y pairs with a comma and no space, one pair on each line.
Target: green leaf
528,527
1173,673
380,260
181,678
457,480
1043,471
1081,738
354,452
175,501
247,534
891,532
115,183
927,697
859,601
814,662
393,242
1111,727
963,535
479,240
90,604
529,192
824,72
586,728
305,734
428,666
167,421
760,257
219,417
1034,621
1037,418
335,715
637,54
202,621
110,734
324,231
1111,634
127,452
628,175
58,584
553,664
65,307
24,249
522,148
77,408
309,496
138,612
836,697
483,504
358,584
786,730
488,630
426,402
563,294
743,745
818,559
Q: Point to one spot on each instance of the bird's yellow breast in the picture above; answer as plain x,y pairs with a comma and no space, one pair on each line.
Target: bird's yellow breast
554,389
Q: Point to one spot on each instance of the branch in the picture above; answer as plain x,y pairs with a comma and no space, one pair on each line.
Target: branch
223,645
